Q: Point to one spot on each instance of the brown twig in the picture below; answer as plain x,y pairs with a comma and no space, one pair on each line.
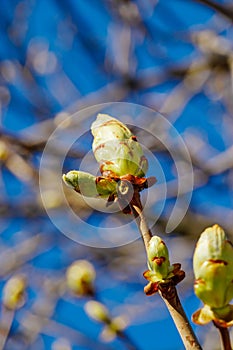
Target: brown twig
225,336
172,301
167,290
136,207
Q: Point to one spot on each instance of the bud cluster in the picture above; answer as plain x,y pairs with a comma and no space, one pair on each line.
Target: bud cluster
121,160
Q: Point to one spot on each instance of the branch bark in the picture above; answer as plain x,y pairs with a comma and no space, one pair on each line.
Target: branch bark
172,301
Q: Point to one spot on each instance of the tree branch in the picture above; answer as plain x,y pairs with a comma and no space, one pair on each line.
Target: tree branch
166,290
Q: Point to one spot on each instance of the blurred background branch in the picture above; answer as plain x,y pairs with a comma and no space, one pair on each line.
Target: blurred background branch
58,58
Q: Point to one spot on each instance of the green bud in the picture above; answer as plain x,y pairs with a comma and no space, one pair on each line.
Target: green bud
118,323
88,185
213,268
108,334
116,149
80,277
158,259
13,292
113,328
81,182
160,271
97,311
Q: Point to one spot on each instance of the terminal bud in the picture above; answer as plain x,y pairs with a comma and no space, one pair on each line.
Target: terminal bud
116,148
